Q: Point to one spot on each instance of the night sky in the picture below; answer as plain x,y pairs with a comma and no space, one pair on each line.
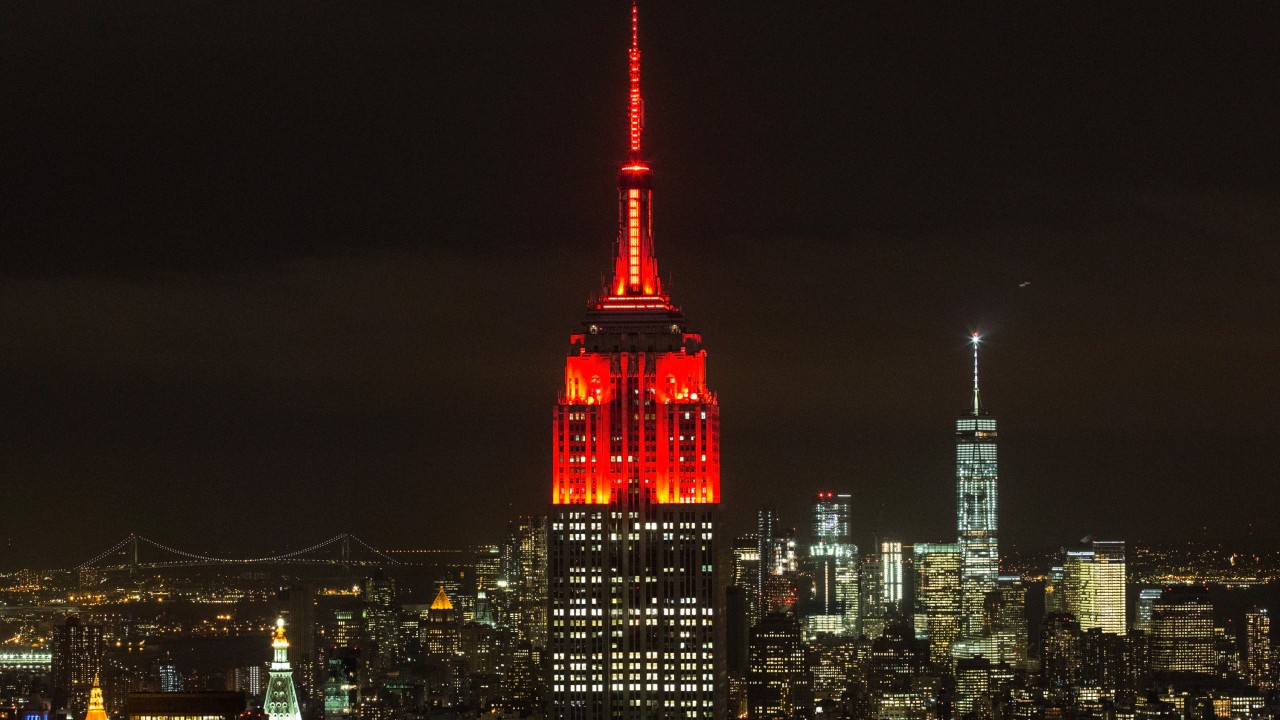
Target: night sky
274,271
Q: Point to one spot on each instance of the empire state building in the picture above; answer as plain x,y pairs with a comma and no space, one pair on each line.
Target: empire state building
635,488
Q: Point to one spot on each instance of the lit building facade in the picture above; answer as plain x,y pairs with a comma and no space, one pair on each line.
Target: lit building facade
1183,638
1142,608
97,708
872,620
833,559
778,684
977,511
76,662
281,700
524,569
778,565
1259,662
745,575
1094,584
1061,651
380,631
440,632
937,568
891,587
636,486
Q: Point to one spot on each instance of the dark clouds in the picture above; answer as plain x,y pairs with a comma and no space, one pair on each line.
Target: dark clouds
312,266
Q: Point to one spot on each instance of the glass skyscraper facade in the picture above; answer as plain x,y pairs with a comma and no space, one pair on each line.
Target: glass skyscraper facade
976,509
833,560
891,587
937,619
1094,583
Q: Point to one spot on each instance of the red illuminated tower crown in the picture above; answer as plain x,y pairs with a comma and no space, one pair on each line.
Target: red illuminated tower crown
636,419
635,267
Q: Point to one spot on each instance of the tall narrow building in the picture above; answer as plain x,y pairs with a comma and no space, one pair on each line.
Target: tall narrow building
636,485
77,660
833,560
976,511
281,699
1259,661
937,585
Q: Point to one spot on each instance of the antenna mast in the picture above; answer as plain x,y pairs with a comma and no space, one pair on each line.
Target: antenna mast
977,407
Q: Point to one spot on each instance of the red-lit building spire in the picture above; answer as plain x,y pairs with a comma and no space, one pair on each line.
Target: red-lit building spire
635,105
635,268
636,420
635,447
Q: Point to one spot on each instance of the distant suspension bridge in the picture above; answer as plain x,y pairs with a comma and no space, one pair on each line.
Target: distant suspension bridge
344,549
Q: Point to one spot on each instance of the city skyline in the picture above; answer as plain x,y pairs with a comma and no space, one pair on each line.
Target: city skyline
228,298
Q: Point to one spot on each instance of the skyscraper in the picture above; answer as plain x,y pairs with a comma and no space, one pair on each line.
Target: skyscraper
1094,584
1142,609
77,660
440,631
870,577
937,568
891,586
380,632
744,572
778,565
281,699
525,571
1182,632
636,468
976,516
1061,651
834,562
1259,663
778,685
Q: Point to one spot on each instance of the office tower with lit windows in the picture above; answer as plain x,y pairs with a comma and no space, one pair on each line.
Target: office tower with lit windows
892,589
1094,585
341,684
1002,634
833,559
524,571
778,684
248,679
1006,613
1259,659
778,566
77,660
1061,651
767,556
744,573
1055,594
871,603
1183,638
1103,655
1142,608
741,613
440,633
636,486
937,569
976,496
380,627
